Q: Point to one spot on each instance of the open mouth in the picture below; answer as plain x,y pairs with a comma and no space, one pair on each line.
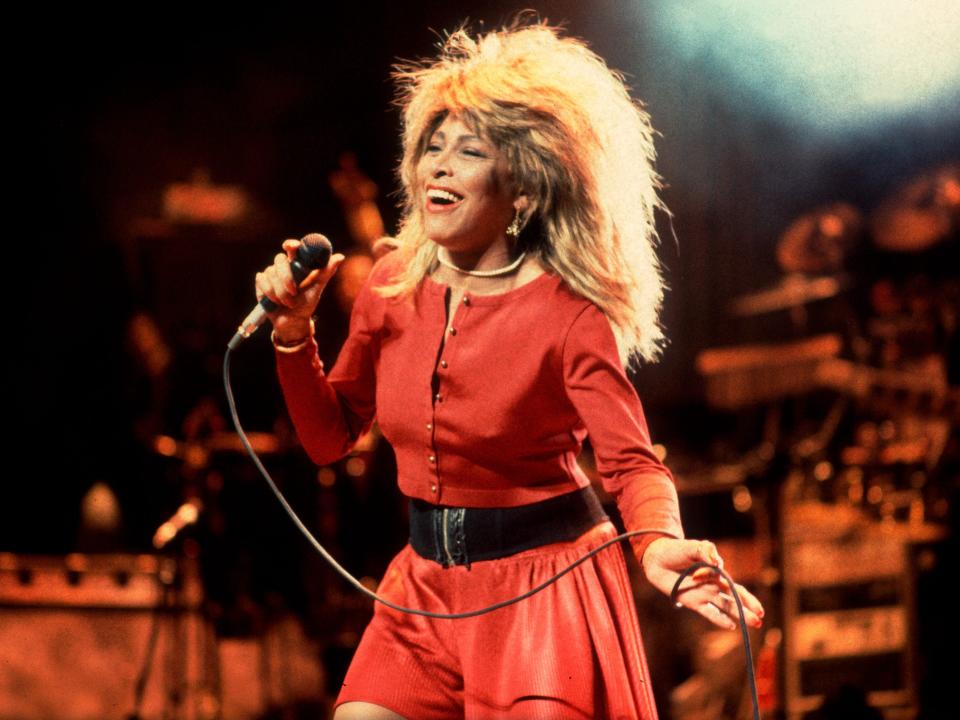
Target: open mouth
442,198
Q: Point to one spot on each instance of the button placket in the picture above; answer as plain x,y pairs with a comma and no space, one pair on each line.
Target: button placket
432,456
451,330
432,453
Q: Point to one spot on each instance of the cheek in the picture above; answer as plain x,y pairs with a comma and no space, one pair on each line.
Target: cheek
496,183
420,173
489,186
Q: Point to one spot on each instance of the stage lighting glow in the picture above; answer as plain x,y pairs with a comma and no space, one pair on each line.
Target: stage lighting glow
831,63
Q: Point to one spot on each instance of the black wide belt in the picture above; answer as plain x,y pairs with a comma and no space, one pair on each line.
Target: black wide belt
459,536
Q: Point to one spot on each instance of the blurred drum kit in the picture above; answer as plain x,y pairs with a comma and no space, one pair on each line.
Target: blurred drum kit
893,371
861,412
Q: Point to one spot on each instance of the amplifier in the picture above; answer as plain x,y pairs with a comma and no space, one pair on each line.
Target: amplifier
77,631
849,616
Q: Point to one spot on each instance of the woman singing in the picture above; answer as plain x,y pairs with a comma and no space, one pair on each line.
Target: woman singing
487,346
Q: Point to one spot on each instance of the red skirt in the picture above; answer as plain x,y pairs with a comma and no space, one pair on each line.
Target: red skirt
572,650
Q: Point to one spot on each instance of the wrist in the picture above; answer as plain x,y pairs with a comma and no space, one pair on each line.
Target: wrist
292,339
292,331
642,543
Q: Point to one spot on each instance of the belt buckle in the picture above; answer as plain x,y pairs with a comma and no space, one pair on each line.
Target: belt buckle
452,541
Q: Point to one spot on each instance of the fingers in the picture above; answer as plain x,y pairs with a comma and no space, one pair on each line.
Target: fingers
717,616
276,282
704,591
712,603
682,553
311,278
713,599
707,552
752,610
290,247
750,603
323,275
281,264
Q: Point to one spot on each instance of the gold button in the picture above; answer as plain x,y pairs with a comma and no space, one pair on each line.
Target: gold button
438,397
453,331
433,488
432,458
443,363
466,299
429,426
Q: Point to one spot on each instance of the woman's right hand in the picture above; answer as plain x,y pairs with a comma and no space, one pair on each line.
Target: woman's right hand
295,305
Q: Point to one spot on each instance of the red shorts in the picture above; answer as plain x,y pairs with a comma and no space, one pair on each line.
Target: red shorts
572,650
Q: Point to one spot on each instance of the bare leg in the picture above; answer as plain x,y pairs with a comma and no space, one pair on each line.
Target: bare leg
364,711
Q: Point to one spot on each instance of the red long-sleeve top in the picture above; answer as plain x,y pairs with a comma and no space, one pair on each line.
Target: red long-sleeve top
489,409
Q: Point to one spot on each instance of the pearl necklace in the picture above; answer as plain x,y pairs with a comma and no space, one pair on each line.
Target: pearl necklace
444,260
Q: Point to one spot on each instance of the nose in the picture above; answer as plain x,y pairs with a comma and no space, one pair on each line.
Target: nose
440,164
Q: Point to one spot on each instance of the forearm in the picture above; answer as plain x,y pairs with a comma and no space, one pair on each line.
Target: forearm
648,502
326,428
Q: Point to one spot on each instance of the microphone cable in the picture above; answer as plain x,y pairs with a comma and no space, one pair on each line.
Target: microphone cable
490,608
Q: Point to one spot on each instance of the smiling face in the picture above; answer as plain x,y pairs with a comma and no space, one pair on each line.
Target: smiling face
466,193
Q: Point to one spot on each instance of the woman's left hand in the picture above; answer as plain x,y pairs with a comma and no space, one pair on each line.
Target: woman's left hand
704,591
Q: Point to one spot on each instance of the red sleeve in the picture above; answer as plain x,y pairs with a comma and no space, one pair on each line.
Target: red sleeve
610,409
331,411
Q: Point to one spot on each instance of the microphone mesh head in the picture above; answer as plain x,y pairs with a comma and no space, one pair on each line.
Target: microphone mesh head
315,251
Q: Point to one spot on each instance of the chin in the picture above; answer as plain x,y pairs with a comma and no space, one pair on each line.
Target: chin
444,241
437,235
452,242
439,240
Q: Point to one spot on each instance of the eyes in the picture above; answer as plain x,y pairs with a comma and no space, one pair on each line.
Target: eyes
435,148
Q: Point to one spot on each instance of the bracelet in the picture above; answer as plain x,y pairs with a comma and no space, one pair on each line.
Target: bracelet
292,347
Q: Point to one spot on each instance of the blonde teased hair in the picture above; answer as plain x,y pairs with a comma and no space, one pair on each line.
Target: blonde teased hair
577,145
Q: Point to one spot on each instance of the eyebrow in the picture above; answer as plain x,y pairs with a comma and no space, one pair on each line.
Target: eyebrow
440,134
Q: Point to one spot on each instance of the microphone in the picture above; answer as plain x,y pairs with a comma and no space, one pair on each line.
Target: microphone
314,253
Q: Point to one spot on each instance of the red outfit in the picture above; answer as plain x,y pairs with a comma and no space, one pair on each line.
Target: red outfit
521,378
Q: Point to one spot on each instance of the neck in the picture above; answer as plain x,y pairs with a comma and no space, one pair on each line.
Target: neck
506,275
493,257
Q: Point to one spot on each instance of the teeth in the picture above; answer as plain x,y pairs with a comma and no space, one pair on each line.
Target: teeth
435,194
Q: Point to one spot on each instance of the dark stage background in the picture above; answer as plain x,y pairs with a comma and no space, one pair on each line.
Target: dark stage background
110,109
115,108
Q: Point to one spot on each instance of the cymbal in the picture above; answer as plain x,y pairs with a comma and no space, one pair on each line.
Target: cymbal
920,214
791,291
819,241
